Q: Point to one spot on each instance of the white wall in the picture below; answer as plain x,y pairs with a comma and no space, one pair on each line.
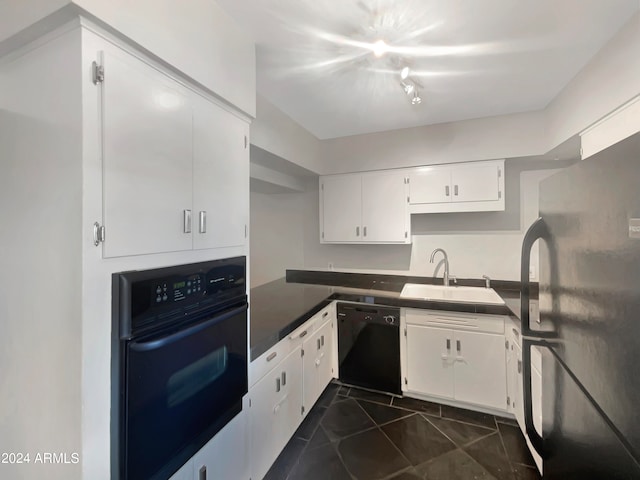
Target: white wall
277,235
40,258
471,253
505,136
608,81
278,134
195,37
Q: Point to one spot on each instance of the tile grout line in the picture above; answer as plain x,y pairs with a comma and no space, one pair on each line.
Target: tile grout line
387,437
506,453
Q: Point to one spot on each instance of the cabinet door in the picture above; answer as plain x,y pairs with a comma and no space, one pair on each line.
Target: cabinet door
147,159
288,409
310,372
265,395
317,364
430,185
517,395
226,455
385,215
325,366
220,176
341,208
480,371
430,360
475,183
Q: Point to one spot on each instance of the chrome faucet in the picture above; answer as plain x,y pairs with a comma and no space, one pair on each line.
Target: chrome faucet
446,264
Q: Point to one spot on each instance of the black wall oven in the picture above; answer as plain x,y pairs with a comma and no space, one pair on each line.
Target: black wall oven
179,363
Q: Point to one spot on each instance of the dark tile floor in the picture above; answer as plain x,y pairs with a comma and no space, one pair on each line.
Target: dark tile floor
355,434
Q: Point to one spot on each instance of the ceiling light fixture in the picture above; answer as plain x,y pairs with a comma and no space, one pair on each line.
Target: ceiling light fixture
380,48
408,87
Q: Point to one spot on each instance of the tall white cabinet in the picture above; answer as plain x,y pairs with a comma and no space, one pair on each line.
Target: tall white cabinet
119,151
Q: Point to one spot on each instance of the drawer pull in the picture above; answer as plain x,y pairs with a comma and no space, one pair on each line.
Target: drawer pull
303,334
458,347
325,314
278,384
272,356
318,344
322,340
284,378
202,473
448,344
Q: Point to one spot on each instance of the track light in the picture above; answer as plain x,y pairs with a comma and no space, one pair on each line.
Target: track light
408,87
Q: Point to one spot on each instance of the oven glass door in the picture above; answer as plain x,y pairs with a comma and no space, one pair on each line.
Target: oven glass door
181,389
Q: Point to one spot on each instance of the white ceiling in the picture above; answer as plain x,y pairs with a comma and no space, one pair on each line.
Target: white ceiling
472,58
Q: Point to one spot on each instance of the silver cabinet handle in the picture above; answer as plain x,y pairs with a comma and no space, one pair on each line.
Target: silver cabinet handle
272,356
303,334
318,344
364,231
458,346
519,366
186,220
202,473
203,221
448,344
322,340
357,231
455,190
278,384
325,314
284,378
446,190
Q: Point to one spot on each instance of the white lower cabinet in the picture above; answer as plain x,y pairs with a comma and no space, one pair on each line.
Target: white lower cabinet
225,456
317,364
429,364
289,388
456,356
515,388
276,409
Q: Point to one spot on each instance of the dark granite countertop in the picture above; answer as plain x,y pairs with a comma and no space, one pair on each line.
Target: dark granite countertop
281,306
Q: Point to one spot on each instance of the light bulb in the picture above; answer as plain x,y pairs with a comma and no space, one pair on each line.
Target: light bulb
416,100
404,73
380,48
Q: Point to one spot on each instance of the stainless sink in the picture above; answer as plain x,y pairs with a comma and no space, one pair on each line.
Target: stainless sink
451,294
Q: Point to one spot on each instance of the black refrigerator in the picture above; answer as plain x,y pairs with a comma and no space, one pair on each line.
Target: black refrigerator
589,331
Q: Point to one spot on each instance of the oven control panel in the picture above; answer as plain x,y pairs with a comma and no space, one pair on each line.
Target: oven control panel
176,289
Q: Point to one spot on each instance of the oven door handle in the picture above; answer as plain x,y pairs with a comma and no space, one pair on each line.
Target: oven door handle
174,337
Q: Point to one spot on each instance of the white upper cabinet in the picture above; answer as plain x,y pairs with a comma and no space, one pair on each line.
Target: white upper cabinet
430,185
476,183
147,158
385,217
366,207
220,176
175,165
462,187
341,208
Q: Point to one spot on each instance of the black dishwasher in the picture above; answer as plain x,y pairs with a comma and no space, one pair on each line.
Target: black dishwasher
369,347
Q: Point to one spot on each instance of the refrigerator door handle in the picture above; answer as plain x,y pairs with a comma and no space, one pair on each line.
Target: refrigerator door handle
537,441
537,230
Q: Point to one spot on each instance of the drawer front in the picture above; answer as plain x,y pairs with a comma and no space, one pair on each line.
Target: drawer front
455,320
268,360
